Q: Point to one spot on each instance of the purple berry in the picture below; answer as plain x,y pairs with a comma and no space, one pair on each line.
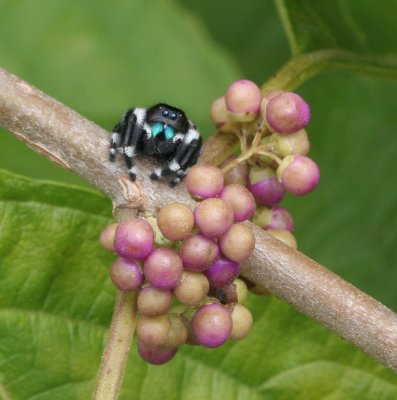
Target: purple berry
213,217
299,175
134,239
241,200
287,112
275,218
163,268
204,180
198,252
265,186
155,355
126,274
222,272
243,96
212,325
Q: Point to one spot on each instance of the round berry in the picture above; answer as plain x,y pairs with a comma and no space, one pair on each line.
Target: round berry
175,221
287,113
153,301
242,322
265,186
198,252
126,274
163,268
222,272
213,217
294,143
219,112
238,174
134,239
285,236
107,237
275,218
212,325
177,334
204,180
299,175
155,355
153,330
192,288
243,96
241,200
238,243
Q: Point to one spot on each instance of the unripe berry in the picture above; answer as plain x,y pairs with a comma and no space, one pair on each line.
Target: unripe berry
107,237
192,288
198,252
242,290
238,174
298,174
219,112
285,236
126,274
212,325
265,186
204,180
242,322
243,96
287,113
294,143
213,217
238,242
163,268
155,355
134,239
241,200
177,334
175,221
153,330
274,218
222,272
153,301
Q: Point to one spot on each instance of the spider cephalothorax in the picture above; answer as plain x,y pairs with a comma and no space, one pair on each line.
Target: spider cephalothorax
161,131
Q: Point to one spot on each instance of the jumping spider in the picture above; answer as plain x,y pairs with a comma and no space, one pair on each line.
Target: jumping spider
161,131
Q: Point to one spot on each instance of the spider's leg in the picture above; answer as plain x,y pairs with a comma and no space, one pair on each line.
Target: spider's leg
115,140
131,136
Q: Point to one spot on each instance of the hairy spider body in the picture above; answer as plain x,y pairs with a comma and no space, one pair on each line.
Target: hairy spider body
161,131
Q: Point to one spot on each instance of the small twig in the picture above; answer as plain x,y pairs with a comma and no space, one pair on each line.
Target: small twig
62,134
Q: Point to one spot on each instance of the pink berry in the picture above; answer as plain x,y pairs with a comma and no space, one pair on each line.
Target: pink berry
163,268
213,217
212,325
204,180
241,200
219,112
265,186
126,274
299,175
275,218
222,272
238,174
198,252
243,96
287,112
134,239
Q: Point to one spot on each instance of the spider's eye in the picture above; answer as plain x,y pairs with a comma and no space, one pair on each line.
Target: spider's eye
165,113
173,116
169,132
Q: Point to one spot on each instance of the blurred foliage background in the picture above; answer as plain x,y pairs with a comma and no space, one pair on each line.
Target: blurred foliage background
101,58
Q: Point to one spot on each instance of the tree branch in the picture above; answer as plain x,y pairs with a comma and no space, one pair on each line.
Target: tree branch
73,142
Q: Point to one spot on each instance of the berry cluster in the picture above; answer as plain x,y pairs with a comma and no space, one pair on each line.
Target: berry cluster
189,290
274,148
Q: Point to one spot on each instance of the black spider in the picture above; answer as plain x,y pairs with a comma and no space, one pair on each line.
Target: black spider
161,131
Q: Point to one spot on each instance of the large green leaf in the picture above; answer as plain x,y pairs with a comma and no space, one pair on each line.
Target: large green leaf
55,306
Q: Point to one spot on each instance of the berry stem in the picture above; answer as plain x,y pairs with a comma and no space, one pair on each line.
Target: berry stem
117,348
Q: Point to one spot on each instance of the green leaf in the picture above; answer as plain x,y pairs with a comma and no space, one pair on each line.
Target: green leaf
56,302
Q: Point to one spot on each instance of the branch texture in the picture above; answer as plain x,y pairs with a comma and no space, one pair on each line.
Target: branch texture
75,143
